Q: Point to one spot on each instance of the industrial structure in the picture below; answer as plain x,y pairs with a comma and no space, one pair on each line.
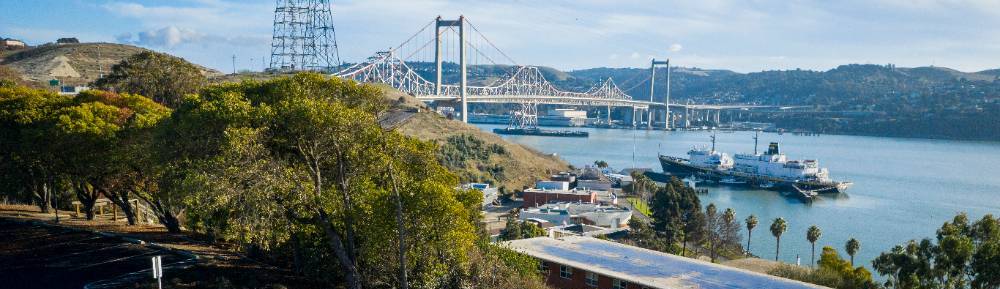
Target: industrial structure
304,37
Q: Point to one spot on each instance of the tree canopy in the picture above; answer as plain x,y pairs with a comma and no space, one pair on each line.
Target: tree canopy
162,77
964,255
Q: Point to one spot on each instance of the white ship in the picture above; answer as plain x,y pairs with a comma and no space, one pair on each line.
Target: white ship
770,170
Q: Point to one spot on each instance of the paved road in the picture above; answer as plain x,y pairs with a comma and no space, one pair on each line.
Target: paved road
37,256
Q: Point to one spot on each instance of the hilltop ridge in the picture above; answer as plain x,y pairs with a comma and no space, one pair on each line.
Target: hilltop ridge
73,64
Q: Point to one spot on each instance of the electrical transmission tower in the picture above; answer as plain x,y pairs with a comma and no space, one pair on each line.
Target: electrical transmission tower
304,38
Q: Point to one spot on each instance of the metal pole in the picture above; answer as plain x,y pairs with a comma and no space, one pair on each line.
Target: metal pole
461,59
437,56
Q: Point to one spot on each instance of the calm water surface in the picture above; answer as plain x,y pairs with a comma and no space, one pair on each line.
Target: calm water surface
903,188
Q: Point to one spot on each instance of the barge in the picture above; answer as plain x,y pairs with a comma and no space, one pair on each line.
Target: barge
540,132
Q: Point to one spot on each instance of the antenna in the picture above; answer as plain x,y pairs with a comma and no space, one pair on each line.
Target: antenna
234,64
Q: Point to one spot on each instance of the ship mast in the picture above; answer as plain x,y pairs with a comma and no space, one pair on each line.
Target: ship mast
713,141
756,135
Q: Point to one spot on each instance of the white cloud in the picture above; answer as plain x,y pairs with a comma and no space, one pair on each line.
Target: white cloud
168,37
635,55
675,47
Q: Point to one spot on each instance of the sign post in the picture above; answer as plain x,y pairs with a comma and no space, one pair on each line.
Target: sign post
158,270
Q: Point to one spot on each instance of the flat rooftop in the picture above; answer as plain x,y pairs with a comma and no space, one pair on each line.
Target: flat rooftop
646,267
562,192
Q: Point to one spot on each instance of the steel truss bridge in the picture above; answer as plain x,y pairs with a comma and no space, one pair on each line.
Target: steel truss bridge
520,84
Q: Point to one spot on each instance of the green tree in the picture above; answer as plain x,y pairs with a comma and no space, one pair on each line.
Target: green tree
964,255
677,214
600,164
103,137
852,247
305,156
812,235
517,229
162,77
778,227
641,186
29,161
712,220
751,222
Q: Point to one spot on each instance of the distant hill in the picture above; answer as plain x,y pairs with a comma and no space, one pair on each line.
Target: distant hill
73,64
993,72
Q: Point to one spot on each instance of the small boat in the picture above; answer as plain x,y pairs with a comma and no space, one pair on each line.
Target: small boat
766,185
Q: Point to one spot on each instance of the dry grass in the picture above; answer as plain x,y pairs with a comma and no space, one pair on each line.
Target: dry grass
754,264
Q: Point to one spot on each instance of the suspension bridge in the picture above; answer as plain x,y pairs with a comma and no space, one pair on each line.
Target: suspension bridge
445,45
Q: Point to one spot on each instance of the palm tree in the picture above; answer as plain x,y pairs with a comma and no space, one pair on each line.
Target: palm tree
777,228
813,234
852,248
751,223
601,164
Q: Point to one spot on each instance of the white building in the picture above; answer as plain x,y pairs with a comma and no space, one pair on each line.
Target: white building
552,185
490,194
579,213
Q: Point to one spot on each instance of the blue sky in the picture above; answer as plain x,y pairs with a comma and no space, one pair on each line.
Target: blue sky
744,36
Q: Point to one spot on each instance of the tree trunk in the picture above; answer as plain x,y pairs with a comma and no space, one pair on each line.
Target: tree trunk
401,231
813,260
852,260
777,248
43,197
163,213
121,200
684,245
335,241
87,196
296,253
749,234
170,221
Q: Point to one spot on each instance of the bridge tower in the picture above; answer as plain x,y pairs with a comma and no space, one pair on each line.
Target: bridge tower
460,23
652,85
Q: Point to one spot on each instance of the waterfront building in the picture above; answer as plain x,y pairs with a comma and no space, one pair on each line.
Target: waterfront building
536,197
586,262
579,213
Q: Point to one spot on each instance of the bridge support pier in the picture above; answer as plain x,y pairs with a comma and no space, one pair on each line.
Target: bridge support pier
609,115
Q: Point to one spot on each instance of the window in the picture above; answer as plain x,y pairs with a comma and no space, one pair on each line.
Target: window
619,284
543,267
565,271
592,279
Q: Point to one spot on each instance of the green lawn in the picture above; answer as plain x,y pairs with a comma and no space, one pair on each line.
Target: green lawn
640,206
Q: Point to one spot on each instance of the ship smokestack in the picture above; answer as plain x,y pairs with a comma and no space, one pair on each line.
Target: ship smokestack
772,149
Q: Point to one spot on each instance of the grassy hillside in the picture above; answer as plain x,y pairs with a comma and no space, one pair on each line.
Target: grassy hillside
473,154
73,64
